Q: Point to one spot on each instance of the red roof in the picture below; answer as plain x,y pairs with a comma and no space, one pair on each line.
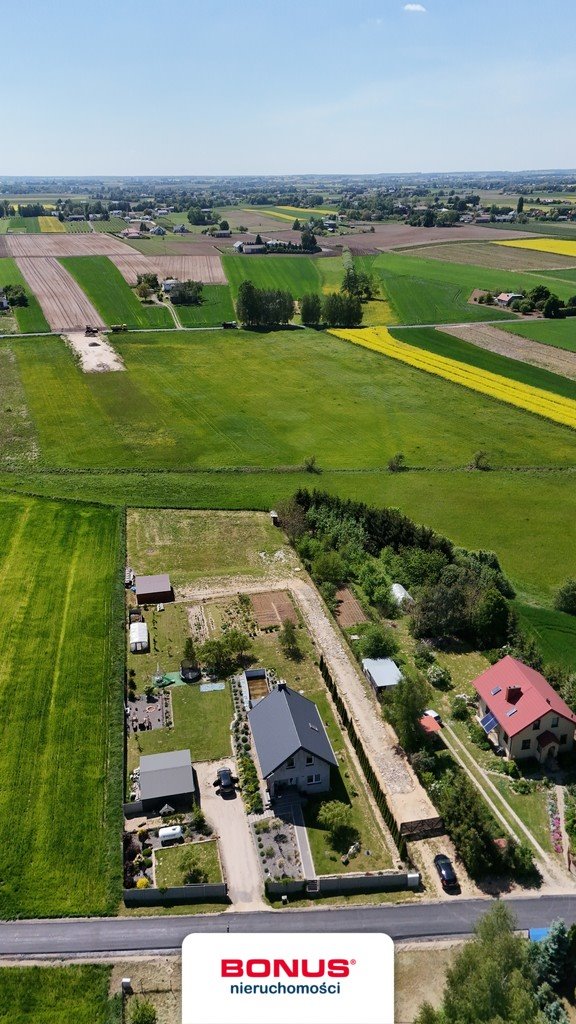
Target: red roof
519,689
429,724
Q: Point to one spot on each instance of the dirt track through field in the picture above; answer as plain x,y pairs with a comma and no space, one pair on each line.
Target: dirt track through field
207,269
524,349
63,302
64,245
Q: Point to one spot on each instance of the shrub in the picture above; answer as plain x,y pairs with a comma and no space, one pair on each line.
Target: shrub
378,641
142,1012
459,709
478,736
439,677
142,883
336,817
565,600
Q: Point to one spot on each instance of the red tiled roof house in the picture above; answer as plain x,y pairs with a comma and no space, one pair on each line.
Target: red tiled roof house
521,712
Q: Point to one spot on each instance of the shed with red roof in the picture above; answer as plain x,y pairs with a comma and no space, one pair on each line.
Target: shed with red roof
521,712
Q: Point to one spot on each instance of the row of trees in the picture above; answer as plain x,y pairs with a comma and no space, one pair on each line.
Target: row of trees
502,978
259,307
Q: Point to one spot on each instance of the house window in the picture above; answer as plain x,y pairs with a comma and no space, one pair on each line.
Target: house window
289,763
525,744
536,724
554,723
563,738
312,780
309,760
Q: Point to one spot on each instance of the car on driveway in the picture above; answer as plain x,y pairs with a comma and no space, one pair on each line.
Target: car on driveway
443,866
224,780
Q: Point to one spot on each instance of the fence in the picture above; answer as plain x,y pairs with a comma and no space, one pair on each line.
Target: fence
203,892
332,885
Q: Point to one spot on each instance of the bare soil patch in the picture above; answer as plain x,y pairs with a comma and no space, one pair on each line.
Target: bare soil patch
63,302
420,976
497,257
524,349
4,250
206,268
349,612
96,354
63,245
397,236
273,608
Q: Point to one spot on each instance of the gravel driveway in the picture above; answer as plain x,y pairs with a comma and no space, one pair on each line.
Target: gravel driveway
237,850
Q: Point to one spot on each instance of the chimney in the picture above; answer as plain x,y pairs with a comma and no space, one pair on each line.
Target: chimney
281,684
513,694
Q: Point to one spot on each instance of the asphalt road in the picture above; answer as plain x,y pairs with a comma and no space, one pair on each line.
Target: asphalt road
161,934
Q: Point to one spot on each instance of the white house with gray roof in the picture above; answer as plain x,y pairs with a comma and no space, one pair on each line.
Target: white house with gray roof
291,743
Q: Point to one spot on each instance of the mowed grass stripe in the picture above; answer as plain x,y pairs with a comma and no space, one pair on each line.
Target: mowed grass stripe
60,800
553,407
112,296
30,318
296,274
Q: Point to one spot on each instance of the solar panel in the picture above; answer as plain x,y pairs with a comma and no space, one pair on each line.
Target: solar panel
497,689
489,722
512,712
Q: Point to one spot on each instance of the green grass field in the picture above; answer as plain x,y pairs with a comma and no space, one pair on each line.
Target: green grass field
112,296
554,631
170,868
296,274
25,225
558,333
61,708
18,441
112,226
216,307
432,291
77,227
58,995
454,348
30,318
527,518
179,406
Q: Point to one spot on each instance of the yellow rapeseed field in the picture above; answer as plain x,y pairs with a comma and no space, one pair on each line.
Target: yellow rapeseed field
556,245
50,224
524,396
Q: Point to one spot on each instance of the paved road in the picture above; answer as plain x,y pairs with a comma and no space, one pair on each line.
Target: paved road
162,934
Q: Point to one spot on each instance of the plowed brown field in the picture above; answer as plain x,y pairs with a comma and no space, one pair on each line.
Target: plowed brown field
185,268
64,245
63,302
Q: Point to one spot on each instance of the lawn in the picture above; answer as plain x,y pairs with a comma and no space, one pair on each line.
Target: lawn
216,307
432,291
179,405
554,631
296,274
111,295
168,631
201,725
30,318
57,995
191,545
60,708
170,868
559,333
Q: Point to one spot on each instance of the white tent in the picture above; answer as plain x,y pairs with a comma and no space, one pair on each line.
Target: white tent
400,594
138,637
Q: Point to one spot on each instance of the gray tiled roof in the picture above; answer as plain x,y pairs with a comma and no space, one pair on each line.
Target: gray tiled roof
284,722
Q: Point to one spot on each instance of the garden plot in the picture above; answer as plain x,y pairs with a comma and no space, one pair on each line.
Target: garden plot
349,611
272,608
63,302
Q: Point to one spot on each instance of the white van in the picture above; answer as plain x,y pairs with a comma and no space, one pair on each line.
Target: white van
170,834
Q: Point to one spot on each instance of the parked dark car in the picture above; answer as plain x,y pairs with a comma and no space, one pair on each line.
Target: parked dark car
443,866
224,780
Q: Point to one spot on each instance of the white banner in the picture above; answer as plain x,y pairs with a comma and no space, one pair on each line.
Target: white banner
308,978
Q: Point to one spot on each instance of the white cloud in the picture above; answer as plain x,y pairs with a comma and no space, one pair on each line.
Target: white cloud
415,8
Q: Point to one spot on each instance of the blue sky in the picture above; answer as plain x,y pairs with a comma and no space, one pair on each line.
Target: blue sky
268,87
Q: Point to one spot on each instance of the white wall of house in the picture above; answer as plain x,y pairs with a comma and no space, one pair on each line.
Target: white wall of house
310,774
524,743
